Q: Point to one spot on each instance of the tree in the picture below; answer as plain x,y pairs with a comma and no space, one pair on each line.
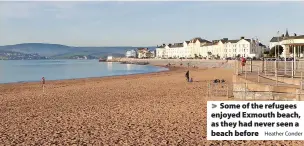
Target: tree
195,56
217,57
209,54
278,49
149,54
266,52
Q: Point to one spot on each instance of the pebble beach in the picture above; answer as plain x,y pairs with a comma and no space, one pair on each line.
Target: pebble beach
145,109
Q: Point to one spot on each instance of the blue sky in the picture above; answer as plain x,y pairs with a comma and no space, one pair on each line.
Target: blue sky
144,23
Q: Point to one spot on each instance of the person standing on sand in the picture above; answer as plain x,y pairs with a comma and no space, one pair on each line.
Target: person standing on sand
187,76
43,83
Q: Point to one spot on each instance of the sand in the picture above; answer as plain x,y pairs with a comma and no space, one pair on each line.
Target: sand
149,109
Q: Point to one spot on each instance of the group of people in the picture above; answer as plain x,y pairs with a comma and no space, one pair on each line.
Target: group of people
219,81
187,75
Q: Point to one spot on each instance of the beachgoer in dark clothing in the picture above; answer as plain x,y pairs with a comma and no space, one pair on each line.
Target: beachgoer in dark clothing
43,83
187,76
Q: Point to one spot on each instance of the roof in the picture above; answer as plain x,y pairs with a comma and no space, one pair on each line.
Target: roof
203,40
177,45
142,49
249,40
295,37
232,41
286,34
260,44
187,42
209,44
275,39
161,46
224,41
200,40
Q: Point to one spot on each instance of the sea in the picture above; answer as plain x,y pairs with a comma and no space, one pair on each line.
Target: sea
12,71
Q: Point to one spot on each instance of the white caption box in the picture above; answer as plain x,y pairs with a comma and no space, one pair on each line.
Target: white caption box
262,124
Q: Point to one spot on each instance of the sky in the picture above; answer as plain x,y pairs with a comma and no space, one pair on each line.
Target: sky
145,23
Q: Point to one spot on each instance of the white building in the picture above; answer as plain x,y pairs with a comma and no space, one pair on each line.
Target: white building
109,57
143,53
131,54
292,46
232,48
177,50
277,42
160,51
223,48
195,46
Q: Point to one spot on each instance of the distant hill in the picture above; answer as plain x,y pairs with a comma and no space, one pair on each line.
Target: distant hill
39,48
58,51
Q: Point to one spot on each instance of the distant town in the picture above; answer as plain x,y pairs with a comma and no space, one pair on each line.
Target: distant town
9,55
198,48
195,48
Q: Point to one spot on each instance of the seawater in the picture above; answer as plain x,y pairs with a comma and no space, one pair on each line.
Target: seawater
33,70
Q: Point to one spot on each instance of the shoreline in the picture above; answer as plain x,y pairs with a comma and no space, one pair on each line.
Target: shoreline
25,82
152,62
54,83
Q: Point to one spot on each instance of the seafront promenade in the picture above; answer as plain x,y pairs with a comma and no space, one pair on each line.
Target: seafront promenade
177,62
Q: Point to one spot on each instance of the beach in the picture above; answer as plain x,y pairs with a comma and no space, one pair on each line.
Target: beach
145,109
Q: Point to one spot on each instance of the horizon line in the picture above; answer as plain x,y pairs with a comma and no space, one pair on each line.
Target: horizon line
71,45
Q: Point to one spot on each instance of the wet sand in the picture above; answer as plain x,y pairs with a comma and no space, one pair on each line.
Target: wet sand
147,109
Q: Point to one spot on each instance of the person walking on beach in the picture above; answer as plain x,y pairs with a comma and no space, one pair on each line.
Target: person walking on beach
187,76
43,83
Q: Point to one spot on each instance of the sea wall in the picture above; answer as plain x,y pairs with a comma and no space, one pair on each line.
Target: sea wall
200,63
248,90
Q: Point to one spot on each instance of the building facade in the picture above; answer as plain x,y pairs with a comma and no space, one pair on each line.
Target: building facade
160,51
141,52
293,46
145,53
223,48
131,54
277,42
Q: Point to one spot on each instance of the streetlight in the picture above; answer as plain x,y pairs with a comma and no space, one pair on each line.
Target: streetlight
275,49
